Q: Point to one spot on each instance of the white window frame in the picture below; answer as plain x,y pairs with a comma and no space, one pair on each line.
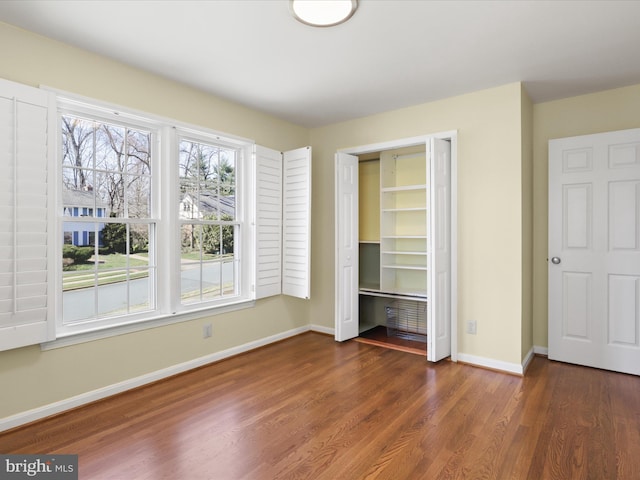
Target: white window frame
117,116
165,212
244,212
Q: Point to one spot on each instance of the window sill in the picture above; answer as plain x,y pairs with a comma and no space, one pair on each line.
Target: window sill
159,321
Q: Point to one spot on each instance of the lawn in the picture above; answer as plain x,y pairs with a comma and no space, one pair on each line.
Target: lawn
111,268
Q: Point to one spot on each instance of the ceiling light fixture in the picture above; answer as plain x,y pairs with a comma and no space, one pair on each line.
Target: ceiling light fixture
323,13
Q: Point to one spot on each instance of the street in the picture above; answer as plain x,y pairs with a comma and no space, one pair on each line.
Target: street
80,304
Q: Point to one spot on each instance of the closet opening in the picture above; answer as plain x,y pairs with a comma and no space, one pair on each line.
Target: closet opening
392,290
394,245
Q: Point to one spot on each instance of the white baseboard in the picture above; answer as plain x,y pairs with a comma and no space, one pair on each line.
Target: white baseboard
527,360
491,363
88,397
321,329
541,350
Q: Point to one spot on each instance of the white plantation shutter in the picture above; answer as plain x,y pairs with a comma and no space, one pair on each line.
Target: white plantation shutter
296,230
268,222
283,222
27,126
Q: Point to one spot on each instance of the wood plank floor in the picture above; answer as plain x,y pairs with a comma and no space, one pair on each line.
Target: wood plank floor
311,408
378,336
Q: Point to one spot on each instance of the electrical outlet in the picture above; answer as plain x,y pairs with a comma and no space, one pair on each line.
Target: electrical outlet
472,327
207,330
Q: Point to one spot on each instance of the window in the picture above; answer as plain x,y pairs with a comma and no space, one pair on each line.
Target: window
107,166
210,228
142,223
152,219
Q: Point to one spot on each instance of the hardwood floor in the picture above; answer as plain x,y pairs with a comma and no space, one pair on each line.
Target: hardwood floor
311,408
378,336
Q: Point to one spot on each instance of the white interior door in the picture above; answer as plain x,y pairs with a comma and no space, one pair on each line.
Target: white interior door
594,250
439,238
346,216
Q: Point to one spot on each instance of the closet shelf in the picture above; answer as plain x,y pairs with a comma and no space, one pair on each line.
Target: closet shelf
403,252
419,237
403,188
418,296
409,209
405,267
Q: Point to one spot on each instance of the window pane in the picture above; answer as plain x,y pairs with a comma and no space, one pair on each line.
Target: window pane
110,194
139,152
207,180
77,143
77,303
141,292
139,197
130,294
227,177
188,198
190,260
78,179
211,280
211,240
110,148
208,262
207,207
139,243
119,282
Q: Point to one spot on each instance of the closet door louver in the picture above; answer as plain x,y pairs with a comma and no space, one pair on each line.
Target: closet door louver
268,168
296,233
27,123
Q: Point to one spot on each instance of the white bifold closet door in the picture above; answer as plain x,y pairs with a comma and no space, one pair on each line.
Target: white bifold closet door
439,241
346,283
439,249
283,222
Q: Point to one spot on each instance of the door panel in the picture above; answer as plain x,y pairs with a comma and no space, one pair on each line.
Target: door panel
594,250
439,238
623,310
577,203
346,247
576,305
623,215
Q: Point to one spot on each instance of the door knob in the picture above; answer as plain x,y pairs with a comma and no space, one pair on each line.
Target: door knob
555,260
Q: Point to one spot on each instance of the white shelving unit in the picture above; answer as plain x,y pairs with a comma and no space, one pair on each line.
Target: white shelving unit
403,224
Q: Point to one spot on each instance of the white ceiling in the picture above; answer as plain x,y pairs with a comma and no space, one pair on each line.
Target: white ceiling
391,54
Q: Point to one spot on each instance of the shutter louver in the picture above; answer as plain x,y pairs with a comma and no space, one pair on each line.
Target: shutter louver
268,222
24,215
297,222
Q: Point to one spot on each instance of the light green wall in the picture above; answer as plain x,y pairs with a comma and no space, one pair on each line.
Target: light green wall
490,218
31,378
610,110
